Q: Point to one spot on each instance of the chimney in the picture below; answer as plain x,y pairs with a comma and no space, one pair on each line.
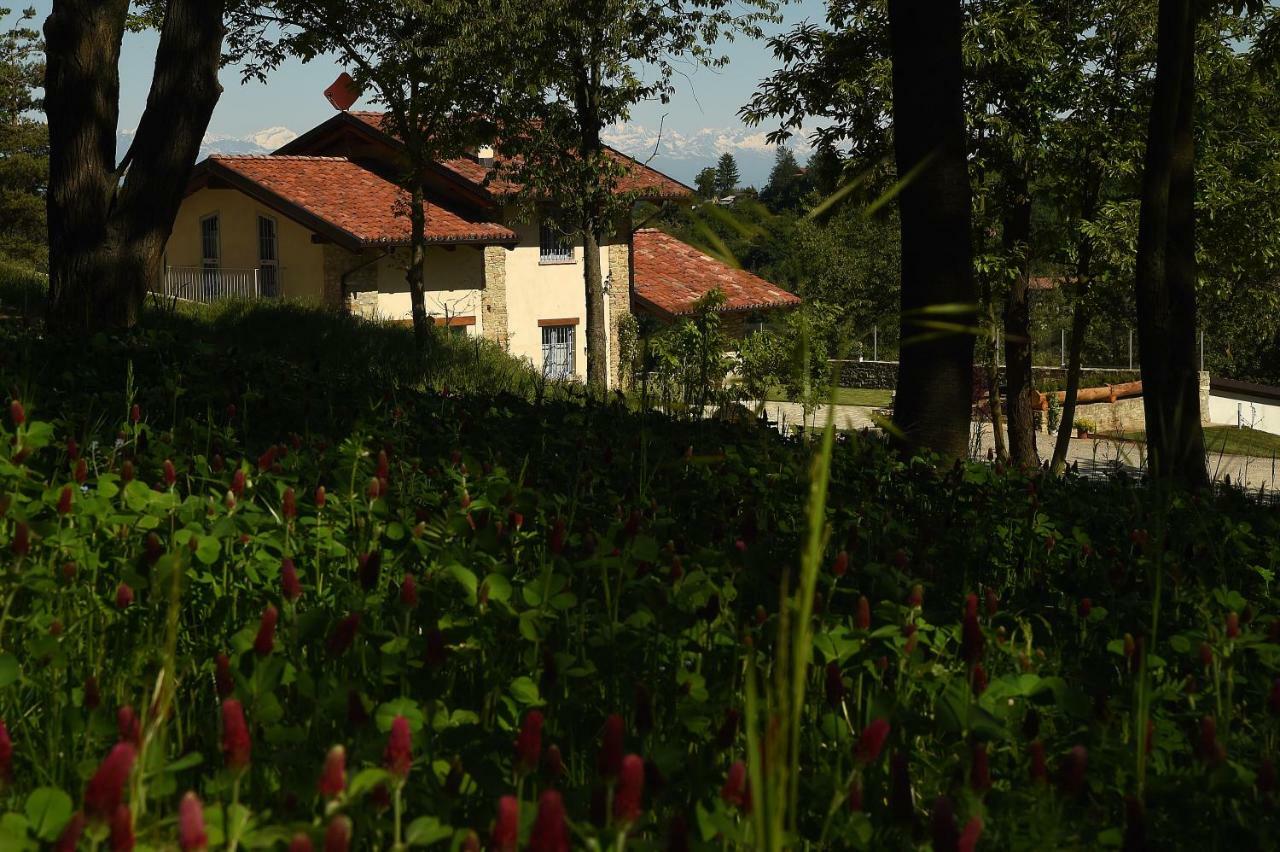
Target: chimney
485,155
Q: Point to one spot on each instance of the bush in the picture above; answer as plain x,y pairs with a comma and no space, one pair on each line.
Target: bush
686,364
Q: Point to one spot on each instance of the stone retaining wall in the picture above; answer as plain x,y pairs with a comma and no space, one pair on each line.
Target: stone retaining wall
867,374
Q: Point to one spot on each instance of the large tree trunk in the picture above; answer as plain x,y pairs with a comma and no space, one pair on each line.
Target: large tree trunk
417,264
1017,331
1183,450
1165,278
82,96
107,238
935,372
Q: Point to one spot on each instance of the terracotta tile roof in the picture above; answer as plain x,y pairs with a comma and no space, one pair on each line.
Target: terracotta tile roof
670,276
640,179
353,201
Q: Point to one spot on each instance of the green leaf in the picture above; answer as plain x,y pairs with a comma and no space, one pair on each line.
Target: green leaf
366,780
427,830
406,707
187,761
564,601
645,548
525,691
528,625
13,833
48,810
208,549
9,670
466,578
499,587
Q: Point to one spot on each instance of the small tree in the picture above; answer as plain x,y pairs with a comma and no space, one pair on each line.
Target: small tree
705,182
727,176
581,60
433,65
825,169
689,362
786,184
762,365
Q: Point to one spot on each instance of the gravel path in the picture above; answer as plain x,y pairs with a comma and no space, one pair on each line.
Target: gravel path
790,414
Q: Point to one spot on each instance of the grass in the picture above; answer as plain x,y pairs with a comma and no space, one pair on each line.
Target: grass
1227,440
867,397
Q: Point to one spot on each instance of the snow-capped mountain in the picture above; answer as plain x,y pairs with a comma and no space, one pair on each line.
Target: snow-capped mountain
683,155
259,142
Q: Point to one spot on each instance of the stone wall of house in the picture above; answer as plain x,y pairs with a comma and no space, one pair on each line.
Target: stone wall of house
619,276
493,296
362,283
335,261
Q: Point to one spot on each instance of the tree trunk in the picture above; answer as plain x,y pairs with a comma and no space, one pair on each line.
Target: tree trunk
82,96
1162,275
107,238
1017,331
991,359
1183,450
993,396
417,264
933,406
1079,325
597,325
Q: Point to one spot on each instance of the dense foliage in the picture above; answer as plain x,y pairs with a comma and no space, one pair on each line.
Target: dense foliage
197,525
1057,96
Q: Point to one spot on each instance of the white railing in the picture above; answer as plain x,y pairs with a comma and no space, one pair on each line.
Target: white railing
196,284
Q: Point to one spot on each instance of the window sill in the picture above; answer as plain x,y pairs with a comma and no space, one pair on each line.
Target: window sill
548,261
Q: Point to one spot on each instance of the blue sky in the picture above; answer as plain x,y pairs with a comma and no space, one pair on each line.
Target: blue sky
292,96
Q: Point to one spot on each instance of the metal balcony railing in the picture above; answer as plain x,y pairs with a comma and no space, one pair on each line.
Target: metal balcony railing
198,284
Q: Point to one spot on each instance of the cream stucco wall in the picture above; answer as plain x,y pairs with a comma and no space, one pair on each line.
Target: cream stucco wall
1235,409
454,277
301,261
543,291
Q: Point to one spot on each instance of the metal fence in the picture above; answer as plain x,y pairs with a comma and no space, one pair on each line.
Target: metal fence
197,284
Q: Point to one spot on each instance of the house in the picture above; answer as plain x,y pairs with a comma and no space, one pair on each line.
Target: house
323,220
